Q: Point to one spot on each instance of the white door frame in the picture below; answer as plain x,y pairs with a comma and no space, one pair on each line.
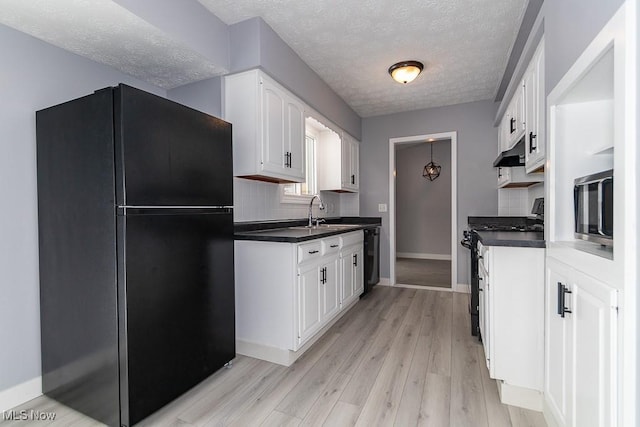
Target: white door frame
453,136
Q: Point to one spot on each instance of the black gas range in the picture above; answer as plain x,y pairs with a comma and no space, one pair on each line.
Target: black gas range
470,241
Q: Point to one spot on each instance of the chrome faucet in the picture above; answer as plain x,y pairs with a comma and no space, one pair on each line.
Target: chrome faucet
321,206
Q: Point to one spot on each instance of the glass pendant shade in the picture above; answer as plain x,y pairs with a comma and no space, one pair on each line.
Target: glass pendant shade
406,71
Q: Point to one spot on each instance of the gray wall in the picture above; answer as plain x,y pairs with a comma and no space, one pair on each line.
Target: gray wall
477,139
35,75
205,95
254,43
570,25
187,21
423,207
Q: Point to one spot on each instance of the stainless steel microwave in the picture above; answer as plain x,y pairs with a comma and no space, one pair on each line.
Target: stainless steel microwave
593,207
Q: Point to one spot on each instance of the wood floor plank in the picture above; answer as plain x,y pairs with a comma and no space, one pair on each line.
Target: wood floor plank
440,356
278,419
435,409
322,407
521,417
414,313
342,415
264,404
370,361
363,336
223,400
233,408
399,357
467,401
383,402
300,399
222,382
411,401
497,413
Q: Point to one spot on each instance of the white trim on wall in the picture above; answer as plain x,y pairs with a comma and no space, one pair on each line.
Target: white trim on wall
453,137
21,393
414,255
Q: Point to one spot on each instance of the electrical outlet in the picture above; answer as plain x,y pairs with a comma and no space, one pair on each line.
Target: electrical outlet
382,207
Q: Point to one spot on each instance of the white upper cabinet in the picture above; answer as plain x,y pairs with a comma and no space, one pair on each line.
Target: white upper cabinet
268,128
512,123
535,112
338,162
350,163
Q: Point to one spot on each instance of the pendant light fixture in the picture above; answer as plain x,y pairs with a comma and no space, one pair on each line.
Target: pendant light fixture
405,71
431,170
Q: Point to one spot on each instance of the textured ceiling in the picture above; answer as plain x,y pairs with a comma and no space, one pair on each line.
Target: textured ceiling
105,32
350,44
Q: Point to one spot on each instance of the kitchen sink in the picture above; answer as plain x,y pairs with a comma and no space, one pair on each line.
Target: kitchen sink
325,227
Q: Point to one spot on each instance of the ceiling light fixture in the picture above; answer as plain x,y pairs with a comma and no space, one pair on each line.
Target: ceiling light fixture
431,170
405,71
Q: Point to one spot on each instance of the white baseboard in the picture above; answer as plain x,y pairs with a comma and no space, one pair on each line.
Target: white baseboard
384,281
423,288
21,393
463,288
548,414
414,255
284,356
520,396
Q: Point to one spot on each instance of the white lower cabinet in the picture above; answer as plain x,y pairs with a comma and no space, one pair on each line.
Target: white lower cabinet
580,363
351,265
287,293
511,320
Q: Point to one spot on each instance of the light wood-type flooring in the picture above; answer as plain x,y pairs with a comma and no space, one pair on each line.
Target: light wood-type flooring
399,357
423,272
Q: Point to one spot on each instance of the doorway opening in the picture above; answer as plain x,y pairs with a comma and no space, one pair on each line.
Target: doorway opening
422,213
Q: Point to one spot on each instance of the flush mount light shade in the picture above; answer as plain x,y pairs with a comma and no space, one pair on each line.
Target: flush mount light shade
405,71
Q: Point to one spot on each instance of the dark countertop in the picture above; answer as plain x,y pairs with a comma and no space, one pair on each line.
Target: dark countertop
281,231
521,239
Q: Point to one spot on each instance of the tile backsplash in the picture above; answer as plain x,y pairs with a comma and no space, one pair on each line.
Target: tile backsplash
256,201
513,202
518,201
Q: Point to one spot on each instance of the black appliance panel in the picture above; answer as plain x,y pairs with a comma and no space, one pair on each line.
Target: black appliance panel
171,155
78,312
371,258
179,302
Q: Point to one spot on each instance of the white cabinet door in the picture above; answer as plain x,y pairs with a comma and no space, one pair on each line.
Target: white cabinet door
535,112
358,278
484,310
557,343
329,288
350,163
309,310
351,264
580,362
273,121
348,270
593,355
295,146
268,128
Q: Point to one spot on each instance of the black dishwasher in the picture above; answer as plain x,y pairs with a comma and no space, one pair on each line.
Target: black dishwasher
371,258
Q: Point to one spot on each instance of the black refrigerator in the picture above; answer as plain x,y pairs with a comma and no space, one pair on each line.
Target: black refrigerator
135,199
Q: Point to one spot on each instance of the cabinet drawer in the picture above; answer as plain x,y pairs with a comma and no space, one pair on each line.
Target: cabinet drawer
330,246
309,251
349,239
